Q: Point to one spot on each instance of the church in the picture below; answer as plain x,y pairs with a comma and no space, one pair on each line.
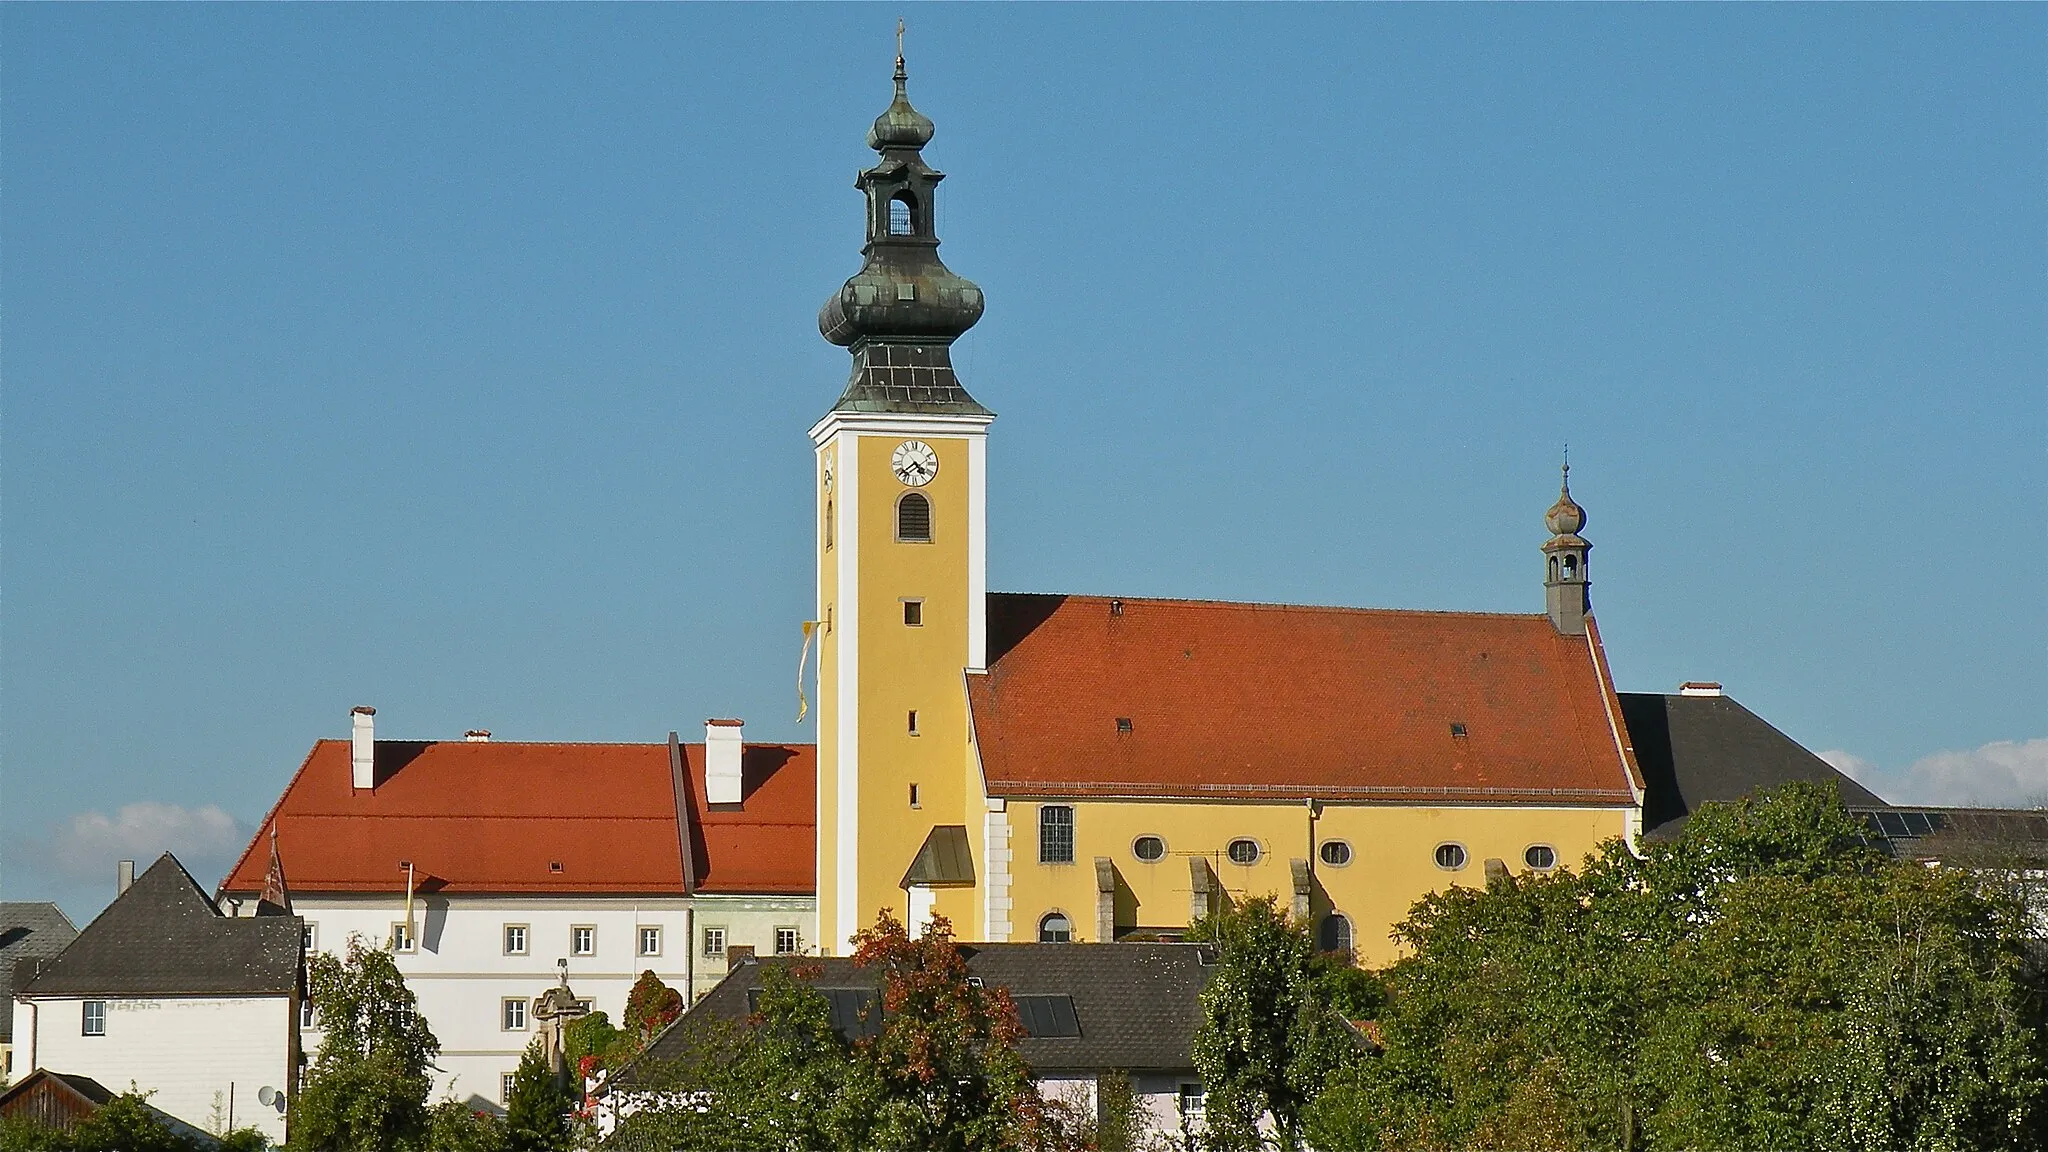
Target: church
1035,768
1082,768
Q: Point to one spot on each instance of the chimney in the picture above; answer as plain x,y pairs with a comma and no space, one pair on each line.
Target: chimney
722,745
363,747
1700,688
478,735
124,877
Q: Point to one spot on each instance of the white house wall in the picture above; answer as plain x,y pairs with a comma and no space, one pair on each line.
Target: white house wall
190,1052
462,975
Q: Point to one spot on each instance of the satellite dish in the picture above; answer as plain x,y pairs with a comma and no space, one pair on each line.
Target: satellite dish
266,1096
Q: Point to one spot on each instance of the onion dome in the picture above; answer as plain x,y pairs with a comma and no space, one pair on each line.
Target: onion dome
901,126
1565,517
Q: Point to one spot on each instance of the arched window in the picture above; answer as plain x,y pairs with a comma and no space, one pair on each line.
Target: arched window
914,519
828,523
1055,928
1553,569
1571,566
902,211
1335,933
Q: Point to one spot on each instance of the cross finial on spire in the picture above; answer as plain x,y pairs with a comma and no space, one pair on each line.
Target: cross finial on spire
1567,465
899,47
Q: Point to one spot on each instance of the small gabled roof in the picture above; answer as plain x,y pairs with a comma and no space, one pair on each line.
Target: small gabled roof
1699,748
165,937
29,931
82,1095
1094,696
1134,1006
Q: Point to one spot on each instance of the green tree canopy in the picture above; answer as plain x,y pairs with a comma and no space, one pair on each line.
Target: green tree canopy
367,1089
1270,1036
1765,981
537,1115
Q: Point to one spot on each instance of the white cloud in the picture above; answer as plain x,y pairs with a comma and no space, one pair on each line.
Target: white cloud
2002,774
88,845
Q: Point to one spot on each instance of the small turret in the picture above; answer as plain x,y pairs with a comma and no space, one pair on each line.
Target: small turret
1567,586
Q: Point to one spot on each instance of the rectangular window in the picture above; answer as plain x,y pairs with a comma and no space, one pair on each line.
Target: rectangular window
913,797
505,1080
95,1019
1191,1101
913,613
583,940
1055,834
788,942
515,939
650,941
309,936
913,721
306,1013
714,943
515,1014
401,938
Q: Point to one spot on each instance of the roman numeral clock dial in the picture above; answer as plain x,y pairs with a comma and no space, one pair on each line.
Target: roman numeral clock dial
915,463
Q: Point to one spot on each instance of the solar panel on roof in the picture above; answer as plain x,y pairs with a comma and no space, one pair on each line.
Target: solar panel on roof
1918,824
1048,1016
1892,824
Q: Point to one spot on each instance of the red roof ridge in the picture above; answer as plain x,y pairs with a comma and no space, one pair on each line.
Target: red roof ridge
1274,606
487,745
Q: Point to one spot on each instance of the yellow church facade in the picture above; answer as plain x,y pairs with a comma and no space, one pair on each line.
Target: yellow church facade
1087,769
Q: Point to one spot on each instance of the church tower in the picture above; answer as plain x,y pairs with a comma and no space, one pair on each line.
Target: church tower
902,570
1567,586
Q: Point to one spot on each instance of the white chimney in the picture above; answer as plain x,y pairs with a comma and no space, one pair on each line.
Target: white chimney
363,747
124,877
722,745
1700,688
478,735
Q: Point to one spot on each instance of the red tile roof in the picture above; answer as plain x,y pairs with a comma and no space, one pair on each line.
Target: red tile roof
497,816
1274,701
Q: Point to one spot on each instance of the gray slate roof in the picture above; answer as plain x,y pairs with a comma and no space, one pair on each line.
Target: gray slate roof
165,937
30,931
1696,749
1136,1003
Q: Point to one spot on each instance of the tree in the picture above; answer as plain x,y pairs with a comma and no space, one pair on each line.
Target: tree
943,1072
367,1089
1269,1037
1764,981
453,1126
537,1115
940,1070
125,1123
650,1007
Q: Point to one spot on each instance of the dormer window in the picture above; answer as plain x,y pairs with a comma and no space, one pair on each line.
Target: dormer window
902,211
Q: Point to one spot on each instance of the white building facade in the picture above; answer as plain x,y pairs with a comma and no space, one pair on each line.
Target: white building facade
485,865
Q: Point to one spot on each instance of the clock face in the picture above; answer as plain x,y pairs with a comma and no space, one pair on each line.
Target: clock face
915,463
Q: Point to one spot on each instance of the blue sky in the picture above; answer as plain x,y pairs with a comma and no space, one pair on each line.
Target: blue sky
457,359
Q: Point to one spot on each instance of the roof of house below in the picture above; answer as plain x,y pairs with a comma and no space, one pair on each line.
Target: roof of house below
1088,695
1136,1005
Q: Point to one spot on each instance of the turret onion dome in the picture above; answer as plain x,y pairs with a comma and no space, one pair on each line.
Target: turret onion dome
1565,517
901,126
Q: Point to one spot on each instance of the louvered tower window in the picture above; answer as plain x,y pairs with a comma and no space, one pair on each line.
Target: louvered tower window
914,519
